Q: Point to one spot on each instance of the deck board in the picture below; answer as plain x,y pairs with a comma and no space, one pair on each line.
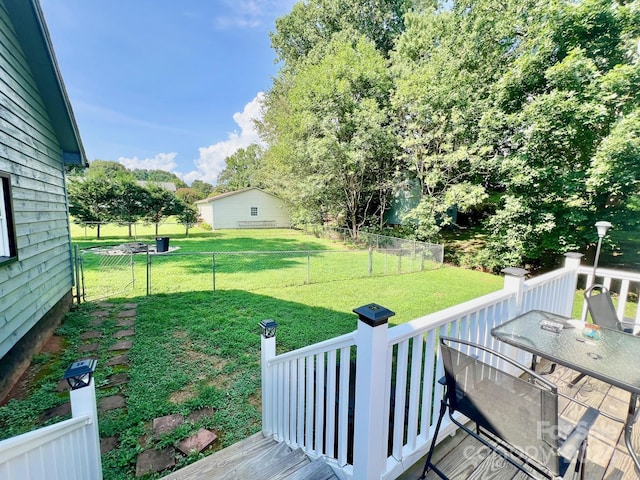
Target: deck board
463,458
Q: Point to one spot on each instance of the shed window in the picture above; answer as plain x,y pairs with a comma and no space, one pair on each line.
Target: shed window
254,211
7,228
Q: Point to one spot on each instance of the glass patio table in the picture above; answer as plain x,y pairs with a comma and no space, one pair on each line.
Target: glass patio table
612,358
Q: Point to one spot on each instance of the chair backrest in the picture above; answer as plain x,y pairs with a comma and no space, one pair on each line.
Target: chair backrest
521,413
601,307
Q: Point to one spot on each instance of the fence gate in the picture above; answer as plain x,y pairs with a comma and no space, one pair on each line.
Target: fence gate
104,273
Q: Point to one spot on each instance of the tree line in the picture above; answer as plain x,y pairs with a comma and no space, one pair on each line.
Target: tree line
108,192
523,114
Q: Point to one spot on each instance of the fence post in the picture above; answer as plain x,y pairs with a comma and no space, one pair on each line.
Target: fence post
213,270
514,282
148,272
372,393
370,260
267,352
77,272
308,268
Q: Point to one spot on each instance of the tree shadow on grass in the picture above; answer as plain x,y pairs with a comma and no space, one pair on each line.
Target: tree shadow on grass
198,350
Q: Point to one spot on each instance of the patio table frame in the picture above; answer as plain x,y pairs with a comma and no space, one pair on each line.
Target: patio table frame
611,359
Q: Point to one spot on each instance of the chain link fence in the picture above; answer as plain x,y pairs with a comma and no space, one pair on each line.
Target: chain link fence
112,271
401,247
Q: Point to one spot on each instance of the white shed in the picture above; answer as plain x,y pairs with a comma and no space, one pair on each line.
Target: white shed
246,208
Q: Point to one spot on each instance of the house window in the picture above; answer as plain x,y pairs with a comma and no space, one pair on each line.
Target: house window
254,211
7,228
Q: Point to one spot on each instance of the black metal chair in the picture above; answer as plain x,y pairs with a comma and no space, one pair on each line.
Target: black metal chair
603,311
516,416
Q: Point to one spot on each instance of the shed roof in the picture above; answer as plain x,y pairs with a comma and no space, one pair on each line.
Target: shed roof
30,27
235,192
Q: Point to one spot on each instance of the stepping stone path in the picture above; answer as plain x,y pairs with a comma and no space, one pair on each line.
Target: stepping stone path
117,379
102,321
88,347
153,460
167,423
89,335
111,403
59,411
125,322
107,444
123,333
122,345
116,345
197,442
118,360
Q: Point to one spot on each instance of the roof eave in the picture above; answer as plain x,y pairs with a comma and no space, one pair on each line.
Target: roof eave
30,26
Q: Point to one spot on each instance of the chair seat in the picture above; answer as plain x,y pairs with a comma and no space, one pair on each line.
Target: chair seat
516,415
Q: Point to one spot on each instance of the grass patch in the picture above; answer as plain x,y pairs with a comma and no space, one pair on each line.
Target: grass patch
201,349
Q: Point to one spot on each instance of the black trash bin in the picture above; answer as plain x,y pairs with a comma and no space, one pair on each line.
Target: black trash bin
162,244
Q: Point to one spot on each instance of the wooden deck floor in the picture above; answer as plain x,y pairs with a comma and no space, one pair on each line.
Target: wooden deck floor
462,457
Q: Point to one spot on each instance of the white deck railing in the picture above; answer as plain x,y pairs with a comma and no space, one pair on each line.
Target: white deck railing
68,450
379,422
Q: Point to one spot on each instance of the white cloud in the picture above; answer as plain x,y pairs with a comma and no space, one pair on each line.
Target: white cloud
212,158
162,161
252,13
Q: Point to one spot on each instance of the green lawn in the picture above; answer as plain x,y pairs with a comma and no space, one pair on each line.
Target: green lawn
196,348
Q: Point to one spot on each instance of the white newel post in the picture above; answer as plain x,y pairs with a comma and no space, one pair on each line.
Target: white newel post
571,263
83,403
514,282
372,393
82,396
268,352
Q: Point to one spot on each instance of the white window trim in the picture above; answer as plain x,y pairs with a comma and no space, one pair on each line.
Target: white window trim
6,228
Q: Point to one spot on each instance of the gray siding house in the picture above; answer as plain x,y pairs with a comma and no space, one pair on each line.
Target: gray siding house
38,137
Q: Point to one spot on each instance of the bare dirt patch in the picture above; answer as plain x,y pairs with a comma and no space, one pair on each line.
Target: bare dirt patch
183,395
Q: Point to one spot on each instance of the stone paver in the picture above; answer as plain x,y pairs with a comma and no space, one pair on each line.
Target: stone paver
129,306
117,379
124,333
118,360
88,347
167,423
62,386
97,322
121,345
111,403
100,313
125,322
127,314
198,415
197,442
59,411
151,461
107,444
105,304
90,334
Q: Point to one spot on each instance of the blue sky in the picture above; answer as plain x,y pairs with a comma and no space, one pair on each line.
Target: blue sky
165,84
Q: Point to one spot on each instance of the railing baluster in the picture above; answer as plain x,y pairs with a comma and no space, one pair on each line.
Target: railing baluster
319,404
330,422
400,398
